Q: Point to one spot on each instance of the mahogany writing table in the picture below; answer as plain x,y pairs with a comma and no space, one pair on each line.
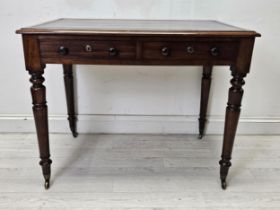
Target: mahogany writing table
137,42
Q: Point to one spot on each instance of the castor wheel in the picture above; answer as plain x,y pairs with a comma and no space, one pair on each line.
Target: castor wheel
47,184
75,134
47,181
223,184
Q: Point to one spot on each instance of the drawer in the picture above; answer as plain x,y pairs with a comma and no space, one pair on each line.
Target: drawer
87,49
192,50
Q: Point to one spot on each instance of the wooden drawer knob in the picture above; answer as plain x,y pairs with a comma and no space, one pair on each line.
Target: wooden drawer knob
215,51
113,51
63,50
165,51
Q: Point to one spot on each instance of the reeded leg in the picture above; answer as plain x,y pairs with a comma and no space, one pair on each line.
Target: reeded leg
40,111
231,121
69,90
205,89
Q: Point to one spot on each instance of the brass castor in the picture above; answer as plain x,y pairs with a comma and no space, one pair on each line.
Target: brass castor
47,181
47,184
73,129
223,184
75,134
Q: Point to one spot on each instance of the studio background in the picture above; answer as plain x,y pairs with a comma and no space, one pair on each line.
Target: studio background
135,99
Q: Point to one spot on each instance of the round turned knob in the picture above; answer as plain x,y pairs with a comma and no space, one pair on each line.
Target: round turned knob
63,50
113,51
165,51
190,50
88,48
215,51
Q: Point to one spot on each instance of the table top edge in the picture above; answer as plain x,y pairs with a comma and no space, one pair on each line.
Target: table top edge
38,29
32,31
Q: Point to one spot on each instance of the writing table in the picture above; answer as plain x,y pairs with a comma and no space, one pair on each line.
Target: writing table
137,42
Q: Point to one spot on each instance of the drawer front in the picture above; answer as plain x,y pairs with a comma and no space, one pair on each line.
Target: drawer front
137,50
180,50
90,49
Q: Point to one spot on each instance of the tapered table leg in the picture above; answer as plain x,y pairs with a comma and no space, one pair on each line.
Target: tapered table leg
69,90
40,111
231,121
205,89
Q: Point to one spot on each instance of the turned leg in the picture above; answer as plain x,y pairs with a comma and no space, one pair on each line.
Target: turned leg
231,121
69,90
40,111
205,89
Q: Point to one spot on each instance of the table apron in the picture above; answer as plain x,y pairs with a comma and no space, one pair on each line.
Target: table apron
138,50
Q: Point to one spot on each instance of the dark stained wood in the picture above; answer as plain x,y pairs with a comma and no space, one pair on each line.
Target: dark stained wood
96,50
239,72
205,89
137,42
88,49
31,47
231,122
69,90
40,109
243,61
201,50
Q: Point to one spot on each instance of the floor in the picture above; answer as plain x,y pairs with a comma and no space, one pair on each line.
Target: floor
159,172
